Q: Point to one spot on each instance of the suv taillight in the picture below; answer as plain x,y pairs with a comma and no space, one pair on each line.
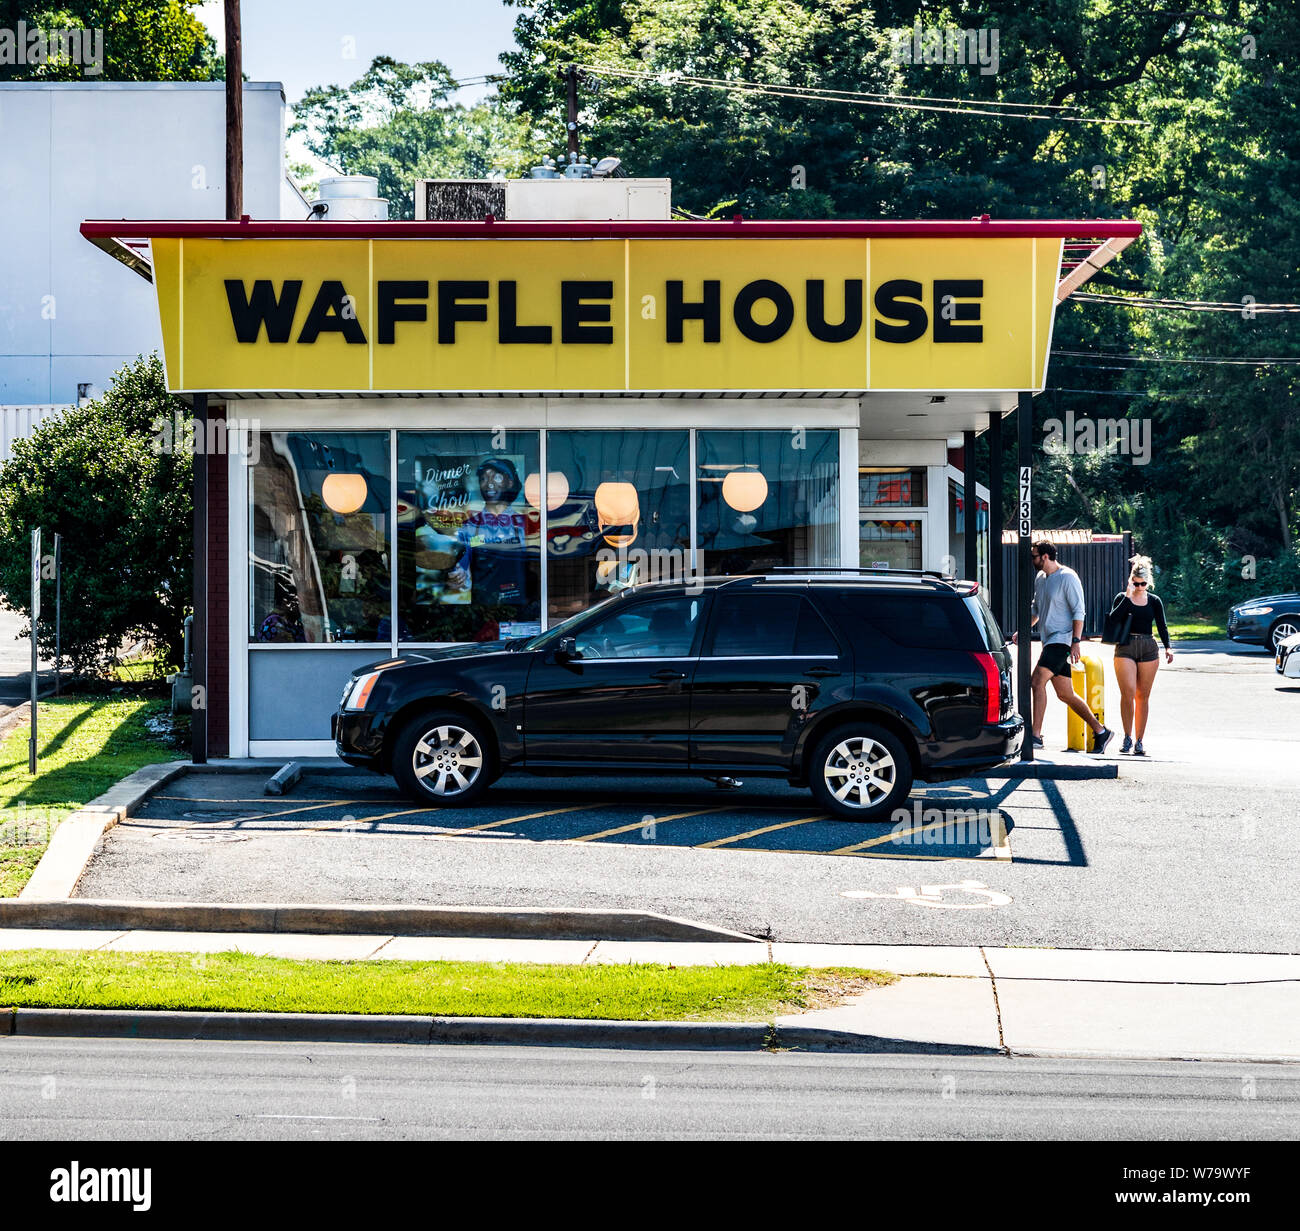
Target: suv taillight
992,685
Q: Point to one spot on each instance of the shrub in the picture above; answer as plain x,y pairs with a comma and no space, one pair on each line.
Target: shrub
97,476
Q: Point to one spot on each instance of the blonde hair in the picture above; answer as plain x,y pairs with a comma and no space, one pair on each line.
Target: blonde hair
1141,568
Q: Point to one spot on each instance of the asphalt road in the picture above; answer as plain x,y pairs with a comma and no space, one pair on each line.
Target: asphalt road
1191,849
78,1089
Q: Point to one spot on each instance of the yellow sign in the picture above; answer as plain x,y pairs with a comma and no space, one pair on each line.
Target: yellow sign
606,315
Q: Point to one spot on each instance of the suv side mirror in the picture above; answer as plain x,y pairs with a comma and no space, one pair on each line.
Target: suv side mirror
567,649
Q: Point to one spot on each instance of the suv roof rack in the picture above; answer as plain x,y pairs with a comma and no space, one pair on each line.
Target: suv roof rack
851,568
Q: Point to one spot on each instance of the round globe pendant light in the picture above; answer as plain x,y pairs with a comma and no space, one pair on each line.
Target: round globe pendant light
557,490
617,504
344,492
744,490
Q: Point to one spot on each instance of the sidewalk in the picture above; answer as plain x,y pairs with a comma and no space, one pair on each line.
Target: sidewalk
1024,1002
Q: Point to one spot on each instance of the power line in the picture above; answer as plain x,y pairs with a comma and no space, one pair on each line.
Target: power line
901,102
1127,393
1264,361
1188,305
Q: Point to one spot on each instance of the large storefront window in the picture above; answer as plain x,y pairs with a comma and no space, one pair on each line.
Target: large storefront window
318,538
886,542
618,513
443,545
767,498
468,539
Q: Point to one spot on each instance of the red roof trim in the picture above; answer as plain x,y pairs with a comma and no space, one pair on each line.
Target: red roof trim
830,229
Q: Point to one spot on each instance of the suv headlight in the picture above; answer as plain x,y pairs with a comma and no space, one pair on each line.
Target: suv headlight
359,693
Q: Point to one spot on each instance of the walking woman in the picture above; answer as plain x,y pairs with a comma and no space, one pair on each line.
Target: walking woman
1138,659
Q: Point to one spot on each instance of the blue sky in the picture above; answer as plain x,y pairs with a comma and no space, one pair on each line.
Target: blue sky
303,43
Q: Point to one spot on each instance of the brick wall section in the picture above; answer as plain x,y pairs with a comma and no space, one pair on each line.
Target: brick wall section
218,599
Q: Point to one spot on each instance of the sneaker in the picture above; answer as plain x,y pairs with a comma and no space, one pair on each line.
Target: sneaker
1038,741
1101,739
1138,750
1127,745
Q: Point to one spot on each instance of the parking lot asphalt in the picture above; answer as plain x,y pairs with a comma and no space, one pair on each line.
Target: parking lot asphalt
1190,849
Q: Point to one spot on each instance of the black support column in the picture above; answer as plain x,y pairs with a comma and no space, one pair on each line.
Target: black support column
199,638
970,506
996,462
1025,594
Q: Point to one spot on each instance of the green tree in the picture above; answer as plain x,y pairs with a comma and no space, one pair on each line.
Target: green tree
396,123
143,40
113,482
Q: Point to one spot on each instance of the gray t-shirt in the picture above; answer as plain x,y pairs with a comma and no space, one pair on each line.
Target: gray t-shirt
1058,602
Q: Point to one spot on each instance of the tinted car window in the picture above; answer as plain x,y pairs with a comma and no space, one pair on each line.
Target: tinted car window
812,635
752,625
987,621
920,621
663,628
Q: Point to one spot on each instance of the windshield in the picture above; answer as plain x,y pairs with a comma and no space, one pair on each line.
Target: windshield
544,641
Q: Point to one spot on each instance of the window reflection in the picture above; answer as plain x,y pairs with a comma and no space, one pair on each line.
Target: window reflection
767,498
318,548
625,518
467,538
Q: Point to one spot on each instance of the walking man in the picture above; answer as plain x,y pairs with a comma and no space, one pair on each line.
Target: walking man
1058,610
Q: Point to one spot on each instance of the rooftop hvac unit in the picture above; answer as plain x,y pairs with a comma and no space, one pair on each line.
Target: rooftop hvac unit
537,200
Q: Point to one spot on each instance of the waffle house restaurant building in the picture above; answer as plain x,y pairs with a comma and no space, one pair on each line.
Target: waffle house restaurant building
425,433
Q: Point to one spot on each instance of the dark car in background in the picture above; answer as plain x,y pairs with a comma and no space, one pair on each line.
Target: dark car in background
850,683
1265,621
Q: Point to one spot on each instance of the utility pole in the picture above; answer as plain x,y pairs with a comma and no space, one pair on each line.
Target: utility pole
58,612
1025,565
570,75
234,114
36,619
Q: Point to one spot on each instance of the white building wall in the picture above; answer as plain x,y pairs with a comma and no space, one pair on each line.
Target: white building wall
70,314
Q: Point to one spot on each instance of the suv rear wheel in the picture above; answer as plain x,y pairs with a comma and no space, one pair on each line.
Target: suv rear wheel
860,772
443,759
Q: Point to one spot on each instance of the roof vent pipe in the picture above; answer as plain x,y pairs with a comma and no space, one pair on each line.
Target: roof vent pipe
350,198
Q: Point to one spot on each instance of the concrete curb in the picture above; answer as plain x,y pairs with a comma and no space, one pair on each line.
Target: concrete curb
1045,771
507,923
77,835
493,1031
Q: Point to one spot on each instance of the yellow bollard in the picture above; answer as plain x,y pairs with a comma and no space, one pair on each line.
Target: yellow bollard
1088,676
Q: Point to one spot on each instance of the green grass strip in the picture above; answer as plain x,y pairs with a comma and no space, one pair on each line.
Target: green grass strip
238,982
84,745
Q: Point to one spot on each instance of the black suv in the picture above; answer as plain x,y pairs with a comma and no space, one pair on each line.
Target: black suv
849,683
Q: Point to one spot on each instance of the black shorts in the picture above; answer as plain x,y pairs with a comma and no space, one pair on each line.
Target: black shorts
1056,658
1141,648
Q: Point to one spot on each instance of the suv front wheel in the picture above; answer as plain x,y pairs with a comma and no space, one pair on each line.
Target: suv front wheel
860,772
443,759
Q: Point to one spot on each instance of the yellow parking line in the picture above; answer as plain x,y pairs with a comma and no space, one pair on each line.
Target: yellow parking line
657,820
367,820
753,833
258,800
531,816
266,816
880,841
1002,839
1002,842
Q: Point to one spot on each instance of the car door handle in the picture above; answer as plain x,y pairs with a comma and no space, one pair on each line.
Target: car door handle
821,672
667,673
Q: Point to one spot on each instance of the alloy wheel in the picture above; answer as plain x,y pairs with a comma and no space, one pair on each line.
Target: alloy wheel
447,760
859,772
1282,632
